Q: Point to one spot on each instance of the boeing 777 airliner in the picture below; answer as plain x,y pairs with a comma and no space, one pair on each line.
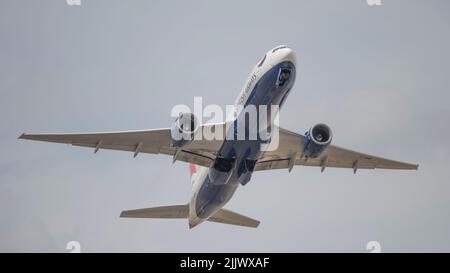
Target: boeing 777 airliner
219,165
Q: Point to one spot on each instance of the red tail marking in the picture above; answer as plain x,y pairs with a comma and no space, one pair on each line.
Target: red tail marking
192,168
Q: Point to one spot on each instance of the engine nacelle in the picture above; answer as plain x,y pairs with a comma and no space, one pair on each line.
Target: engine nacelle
317,140
183,130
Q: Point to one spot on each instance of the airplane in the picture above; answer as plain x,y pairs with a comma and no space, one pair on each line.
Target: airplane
219,166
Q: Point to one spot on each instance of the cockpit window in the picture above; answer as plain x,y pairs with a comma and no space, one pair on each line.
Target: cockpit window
278,48
262,60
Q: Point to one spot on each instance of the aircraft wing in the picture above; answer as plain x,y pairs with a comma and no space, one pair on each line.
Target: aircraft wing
290,149
200,152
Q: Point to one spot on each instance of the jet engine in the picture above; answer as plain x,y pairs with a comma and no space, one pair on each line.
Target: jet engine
183,130
317,140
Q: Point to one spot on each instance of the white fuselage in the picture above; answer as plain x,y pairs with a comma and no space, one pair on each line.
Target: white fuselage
270,60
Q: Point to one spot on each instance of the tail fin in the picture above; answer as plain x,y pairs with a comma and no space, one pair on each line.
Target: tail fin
192,169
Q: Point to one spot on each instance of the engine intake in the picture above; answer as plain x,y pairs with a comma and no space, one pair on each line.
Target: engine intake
317,140
183,130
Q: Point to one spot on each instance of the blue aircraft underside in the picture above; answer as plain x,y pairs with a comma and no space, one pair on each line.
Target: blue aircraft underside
236,158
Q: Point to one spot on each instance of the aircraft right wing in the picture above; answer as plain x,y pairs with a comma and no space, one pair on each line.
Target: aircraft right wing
290,150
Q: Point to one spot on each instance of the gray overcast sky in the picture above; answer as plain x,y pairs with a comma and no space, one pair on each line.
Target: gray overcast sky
379,76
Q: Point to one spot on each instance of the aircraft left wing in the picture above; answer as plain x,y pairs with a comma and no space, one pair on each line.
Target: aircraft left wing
290,149
199,152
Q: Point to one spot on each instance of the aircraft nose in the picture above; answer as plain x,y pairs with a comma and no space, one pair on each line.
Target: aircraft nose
282,54
289,55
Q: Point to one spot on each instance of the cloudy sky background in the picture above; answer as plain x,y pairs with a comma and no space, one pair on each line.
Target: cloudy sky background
379,76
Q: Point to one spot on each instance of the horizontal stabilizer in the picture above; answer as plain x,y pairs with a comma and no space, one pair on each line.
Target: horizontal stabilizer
174,212
232,218
182,212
